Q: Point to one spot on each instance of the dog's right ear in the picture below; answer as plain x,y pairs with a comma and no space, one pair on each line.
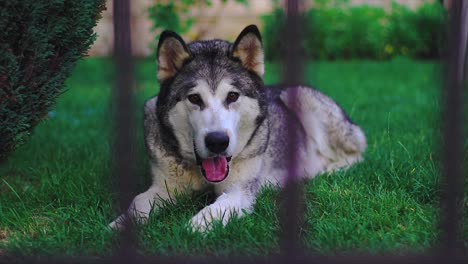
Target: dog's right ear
171,54
249,50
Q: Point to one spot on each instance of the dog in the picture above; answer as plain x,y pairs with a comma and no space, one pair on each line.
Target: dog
215,123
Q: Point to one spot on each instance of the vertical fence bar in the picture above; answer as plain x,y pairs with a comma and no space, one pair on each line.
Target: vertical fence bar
292,75
124,145
452,167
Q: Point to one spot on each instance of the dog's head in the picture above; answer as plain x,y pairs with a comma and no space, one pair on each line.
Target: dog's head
212,97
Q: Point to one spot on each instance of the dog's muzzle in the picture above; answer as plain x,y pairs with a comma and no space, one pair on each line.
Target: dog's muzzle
217,142
216,168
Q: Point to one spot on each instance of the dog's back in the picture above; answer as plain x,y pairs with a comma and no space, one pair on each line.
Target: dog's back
311,128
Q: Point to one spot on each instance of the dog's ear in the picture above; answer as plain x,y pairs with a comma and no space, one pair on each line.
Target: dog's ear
171,54
249,50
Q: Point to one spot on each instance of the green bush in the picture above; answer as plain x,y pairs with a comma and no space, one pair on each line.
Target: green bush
271,34
354,32
175,15
40,42
417,34
340,31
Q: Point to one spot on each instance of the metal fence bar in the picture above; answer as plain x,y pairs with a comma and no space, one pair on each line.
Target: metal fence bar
452,167
124,124
291,215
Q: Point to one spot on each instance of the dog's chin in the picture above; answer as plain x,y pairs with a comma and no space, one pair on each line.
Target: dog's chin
214,169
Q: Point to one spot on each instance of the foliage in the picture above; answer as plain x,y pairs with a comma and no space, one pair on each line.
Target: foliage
40,42
271,34
175,15
354,32
417,34
336,30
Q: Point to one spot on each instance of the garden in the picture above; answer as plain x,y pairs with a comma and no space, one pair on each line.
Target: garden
58,194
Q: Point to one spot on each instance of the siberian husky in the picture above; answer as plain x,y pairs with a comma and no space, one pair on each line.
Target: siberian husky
215,123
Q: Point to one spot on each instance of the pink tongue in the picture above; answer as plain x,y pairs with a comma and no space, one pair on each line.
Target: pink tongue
215,169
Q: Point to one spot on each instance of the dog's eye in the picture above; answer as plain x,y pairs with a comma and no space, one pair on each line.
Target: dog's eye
195,99
232,97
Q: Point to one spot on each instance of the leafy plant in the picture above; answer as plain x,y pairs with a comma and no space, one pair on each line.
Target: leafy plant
40,42
271,33
174,15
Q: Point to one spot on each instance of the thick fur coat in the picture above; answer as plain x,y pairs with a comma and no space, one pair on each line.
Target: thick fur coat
215,123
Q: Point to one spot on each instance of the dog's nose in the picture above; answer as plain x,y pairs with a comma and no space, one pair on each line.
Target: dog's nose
217,142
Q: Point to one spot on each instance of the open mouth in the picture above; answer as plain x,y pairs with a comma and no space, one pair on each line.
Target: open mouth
214,169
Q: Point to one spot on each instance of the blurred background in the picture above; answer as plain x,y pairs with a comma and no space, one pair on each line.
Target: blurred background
382,27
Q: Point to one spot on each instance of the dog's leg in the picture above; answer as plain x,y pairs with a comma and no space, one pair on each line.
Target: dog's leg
141,206
237,195
169,179
236,202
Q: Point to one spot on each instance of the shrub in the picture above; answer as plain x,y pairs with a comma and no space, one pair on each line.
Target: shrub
417,34
354,32
340,31
175,15
40,43
271,34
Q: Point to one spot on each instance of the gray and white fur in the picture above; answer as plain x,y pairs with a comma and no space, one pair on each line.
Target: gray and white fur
215,123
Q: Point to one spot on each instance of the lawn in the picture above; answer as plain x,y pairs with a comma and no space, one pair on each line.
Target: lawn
57,193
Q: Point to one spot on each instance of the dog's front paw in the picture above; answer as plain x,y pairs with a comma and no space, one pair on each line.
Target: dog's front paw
203,220
118,224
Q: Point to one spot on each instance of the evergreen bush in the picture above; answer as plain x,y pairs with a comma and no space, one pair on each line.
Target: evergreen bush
40,43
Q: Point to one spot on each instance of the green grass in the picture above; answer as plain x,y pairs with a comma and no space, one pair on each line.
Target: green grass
57,194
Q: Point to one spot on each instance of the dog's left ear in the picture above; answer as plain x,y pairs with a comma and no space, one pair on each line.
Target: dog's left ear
249,50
